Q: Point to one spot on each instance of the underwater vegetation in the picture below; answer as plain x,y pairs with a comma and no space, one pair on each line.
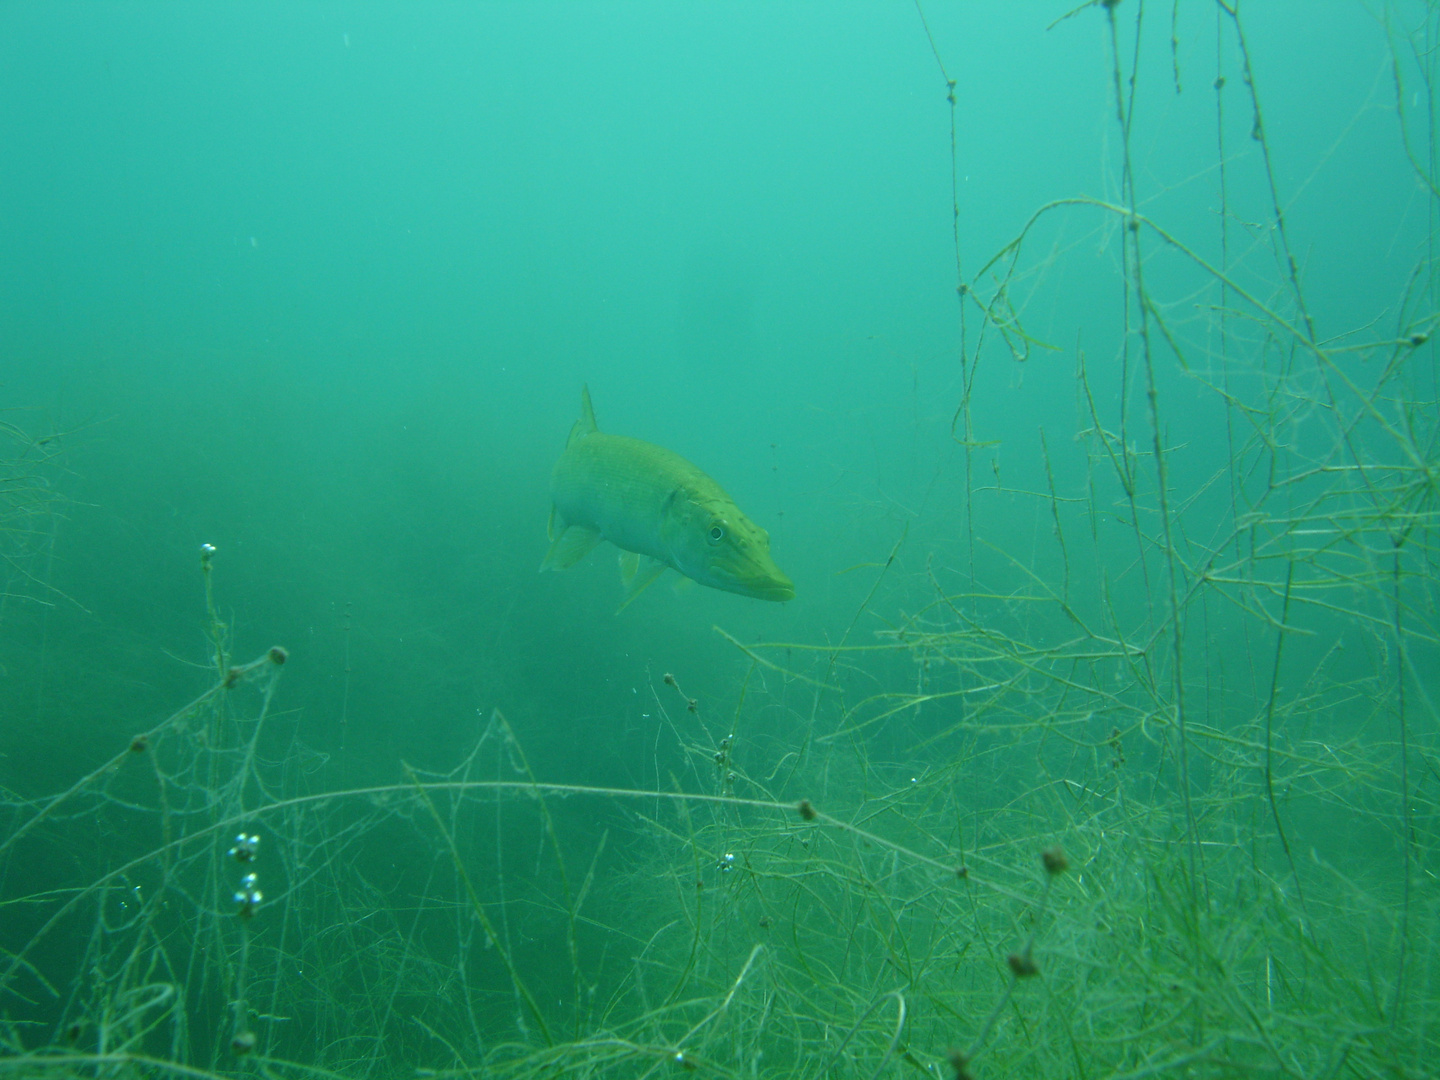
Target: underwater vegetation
1161,798
29,502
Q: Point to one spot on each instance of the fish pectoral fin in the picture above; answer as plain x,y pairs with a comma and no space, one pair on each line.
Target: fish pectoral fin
629,567
572,545
637,574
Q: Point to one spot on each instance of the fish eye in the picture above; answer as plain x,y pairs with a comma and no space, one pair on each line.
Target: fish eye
717,533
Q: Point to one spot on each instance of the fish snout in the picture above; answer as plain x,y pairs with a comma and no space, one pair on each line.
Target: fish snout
781,589
761,579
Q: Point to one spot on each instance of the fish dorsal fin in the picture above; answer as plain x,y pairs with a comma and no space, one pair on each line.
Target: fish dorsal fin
586,424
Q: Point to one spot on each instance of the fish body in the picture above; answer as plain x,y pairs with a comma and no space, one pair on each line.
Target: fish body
660,510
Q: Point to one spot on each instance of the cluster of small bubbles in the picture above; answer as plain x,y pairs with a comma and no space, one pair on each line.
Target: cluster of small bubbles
248,896
725,863
207,552
245,849
722,761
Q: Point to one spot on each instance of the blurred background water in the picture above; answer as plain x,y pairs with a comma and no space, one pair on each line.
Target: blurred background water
319,284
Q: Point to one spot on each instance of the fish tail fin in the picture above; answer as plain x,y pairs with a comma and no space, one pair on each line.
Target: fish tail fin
586,424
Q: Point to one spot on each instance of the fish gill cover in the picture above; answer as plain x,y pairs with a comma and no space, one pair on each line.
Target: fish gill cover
1079,359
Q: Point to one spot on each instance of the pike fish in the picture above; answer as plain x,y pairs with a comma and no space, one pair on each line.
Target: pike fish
659,510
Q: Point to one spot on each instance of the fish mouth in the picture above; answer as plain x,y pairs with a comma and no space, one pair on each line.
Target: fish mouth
760,585
779,591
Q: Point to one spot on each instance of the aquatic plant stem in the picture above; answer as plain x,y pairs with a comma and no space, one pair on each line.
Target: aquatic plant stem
1281,631
1136,277
424,790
